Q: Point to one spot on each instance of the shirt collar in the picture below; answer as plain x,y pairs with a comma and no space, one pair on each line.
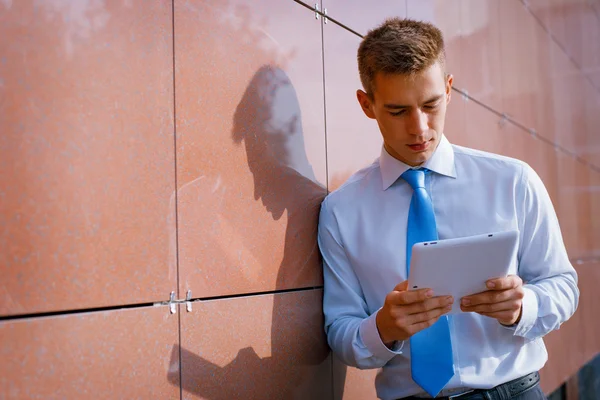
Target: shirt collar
441,162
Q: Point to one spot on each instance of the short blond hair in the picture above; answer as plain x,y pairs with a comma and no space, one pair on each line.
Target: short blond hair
399,46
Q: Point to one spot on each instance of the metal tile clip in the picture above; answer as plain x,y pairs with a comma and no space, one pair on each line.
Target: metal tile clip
172,303
317,15
533,132
188,301
503,120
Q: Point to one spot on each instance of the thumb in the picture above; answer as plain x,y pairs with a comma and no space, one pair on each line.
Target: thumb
401,287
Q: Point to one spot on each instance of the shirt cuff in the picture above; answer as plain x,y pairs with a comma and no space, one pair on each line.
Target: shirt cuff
529,313
369,335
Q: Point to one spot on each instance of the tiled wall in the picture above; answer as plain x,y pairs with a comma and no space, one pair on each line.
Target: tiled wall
150,147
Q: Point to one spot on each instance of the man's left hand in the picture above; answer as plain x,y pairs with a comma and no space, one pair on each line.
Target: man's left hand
503,301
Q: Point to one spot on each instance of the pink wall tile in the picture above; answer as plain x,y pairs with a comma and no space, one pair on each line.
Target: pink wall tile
591,122
542,9
577,341
250,146
483,129
481,58
563,71
257,347
557,20
594,190
590,32
102,355
353,140
86,154
574,205
446,15
363,16
352,383
525,63
455,127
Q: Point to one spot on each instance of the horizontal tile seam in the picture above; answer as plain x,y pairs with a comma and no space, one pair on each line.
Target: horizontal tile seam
6,318
532,132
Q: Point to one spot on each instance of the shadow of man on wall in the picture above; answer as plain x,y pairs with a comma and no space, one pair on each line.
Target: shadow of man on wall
267,122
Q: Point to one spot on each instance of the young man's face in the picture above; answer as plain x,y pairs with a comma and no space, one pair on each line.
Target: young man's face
410,112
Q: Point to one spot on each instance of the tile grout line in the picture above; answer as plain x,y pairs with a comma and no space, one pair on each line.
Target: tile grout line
152,304
324,104
176,195
534,133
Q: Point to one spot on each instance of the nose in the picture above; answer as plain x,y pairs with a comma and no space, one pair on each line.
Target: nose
417,122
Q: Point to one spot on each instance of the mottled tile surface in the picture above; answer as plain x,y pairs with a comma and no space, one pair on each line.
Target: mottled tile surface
103,355
250,146
257,347
361,16
353,140
86,154
352,383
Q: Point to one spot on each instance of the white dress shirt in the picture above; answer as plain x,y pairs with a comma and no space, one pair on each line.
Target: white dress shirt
362,236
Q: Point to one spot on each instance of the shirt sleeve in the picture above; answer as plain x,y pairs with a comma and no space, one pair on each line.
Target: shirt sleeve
351,331
551,293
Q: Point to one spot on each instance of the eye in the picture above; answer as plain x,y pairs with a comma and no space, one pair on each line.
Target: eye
397,113
431,106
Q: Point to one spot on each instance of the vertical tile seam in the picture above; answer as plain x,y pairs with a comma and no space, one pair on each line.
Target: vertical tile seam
176,197
324,101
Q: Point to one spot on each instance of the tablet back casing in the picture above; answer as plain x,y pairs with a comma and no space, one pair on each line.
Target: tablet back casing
461,266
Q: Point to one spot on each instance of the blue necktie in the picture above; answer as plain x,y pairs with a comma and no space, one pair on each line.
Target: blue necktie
431,363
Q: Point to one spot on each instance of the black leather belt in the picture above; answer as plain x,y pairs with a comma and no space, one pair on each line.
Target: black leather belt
504,391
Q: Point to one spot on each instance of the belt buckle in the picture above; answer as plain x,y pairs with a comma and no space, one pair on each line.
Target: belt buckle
458,395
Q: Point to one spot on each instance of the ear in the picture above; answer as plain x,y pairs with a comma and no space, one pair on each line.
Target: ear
365,103
449,80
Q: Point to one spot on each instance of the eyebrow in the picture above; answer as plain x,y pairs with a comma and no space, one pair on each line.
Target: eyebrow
399,106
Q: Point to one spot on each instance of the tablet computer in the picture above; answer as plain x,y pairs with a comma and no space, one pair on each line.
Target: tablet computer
461,266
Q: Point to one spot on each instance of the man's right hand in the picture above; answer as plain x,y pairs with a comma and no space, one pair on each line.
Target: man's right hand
406,312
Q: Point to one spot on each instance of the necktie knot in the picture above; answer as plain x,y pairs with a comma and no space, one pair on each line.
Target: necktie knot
415,178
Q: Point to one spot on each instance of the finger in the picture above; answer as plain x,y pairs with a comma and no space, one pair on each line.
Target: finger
414,296
508,282
396,298
418,327
510,305
492,296
433,314
401,287
429,304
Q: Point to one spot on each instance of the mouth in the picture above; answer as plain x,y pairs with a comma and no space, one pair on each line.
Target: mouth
422,146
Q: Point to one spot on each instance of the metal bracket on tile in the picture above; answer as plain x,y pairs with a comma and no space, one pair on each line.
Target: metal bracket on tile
503,120
532,132
317,15
325,19
465,95
188,301
172,303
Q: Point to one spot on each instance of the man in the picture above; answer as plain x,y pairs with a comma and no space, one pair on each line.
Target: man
422,183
